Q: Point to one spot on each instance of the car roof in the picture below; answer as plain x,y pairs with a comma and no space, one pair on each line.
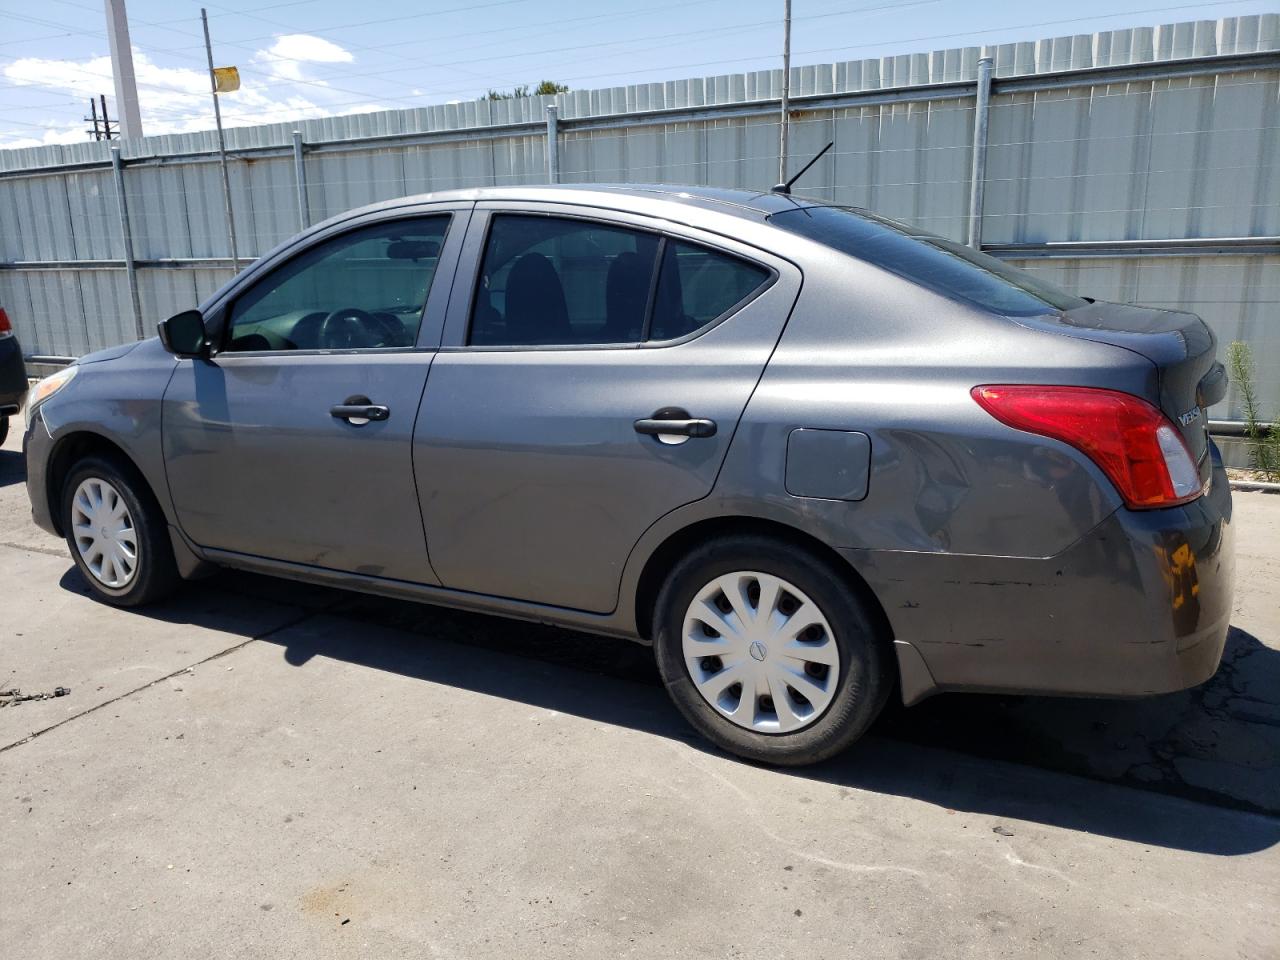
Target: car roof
750,204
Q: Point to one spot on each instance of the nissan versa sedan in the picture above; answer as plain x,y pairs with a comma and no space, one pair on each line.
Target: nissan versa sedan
814,457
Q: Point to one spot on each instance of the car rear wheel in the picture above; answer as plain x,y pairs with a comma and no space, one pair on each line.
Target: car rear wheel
4,428
117,534
769,652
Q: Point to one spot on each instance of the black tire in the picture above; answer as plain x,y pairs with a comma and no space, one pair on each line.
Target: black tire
866,672
156,574
4,428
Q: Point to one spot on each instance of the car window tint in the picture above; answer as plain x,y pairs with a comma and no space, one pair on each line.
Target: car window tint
942,265
697,285
549,280
363,290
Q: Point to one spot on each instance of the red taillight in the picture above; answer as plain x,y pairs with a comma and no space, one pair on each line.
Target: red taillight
1133,443
5,327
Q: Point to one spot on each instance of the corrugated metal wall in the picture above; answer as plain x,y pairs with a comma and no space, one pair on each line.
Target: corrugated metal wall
1181,139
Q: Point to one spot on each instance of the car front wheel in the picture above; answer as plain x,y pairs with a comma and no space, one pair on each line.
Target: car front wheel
117,533
769,652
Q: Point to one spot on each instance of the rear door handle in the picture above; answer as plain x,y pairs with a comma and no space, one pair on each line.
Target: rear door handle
672,421
358,411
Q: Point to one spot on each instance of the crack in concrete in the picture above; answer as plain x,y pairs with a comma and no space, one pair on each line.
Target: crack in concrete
307,615
27,548
1179,740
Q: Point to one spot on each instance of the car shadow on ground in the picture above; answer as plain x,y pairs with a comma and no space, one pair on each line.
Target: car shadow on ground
941,752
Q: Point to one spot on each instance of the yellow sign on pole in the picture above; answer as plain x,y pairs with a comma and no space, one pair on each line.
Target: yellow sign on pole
226,79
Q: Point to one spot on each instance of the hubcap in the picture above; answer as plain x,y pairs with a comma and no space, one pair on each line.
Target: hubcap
761,652
104,533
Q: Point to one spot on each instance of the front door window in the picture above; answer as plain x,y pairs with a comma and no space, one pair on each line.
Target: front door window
363,290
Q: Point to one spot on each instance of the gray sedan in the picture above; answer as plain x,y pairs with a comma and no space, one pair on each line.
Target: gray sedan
814,457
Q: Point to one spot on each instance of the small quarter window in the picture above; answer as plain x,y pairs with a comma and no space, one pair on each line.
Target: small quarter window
696,286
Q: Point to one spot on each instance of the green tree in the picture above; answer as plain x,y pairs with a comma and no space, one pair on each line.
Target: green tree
545,88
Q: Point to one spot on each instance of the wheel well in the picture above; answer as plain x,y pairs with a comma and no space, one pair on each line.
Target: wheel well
70,451
682,541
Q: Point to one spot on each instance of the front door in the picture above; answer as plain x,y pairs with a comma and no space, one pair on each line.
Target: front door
293,441
543,449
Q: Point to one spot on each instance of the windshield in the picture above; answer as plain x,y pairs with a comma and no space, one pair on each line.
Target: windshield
942,265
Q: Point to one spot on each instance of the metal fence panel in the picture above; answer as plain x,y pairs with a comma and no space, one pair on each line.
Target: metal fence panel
107,317
1237,296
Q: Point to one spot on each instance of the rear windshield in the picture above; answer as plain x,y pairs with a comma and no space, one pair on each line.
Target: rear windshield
942,265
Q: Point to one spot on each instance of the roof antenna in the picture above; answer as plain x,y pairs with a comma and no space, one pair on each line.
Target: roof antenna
785,188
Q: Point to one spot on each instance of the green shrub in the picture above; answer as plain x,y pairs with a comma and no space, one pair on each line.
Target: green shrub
1264,440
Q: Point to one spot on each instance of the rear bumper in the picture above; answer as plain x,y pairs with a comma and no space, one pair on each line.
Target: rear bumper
1140,605
13,375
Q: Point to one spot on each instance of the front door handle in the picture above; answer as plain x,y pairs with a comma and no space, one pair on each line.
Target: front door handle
358,411
672,421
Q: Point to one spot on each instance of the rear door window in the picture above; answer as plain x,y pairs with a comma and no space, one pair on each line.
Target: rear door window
560,281
551,280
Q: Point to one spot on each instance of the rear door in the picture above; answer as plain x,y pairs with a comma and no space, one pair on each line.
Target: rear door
570,332
293,442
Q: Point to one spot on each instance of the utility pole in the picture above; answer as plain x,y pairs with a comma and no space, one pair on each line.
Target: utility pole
222,145
786,90
103,132
106,123
122,68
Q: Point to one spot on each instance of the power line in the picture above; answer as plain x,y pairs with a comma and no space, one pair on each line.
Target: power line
322,80
721,30
320,31
366,97
168,88
936,36
257,53
764,57
347,45
133,21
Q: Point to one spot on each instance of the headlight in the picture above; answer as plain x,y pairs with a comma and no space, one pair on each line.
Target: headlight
46,388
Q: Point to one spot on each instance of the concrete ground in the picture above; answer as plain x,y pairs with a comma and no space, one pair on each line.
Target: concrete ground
262,769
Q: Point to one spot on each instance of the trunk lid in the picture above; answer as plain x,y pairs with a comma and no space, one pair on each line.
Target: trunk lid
1179,344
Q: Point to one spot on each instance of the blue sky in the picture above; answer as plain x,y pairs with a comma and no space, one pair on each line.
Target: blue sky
308,58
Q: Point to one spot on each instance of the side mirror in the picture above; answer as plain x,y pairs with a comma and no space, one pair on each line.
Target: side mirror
184,335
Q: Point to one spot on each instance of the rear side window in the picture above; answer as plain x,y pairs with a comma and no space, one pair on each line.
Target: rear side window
560,281
945,266
698,285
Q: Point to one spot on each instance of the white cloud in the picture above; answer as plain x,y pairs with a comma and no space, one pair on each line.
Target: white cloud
287,55
177,99
53,134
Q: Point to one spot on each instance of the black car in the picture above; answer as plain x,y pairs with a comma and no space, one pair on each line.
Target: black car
13,375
